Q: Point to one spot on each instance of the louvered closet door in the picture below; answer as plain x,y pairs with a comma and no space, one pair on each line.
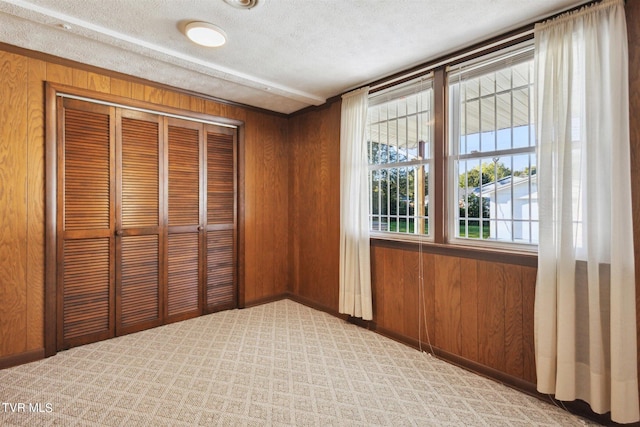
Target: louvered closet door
85,223
221,291
185,219
139,228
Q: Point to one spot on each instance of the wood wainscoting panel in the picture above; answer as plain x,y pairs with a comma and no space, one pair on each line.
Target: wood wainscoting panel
469,309
428,301
528,300
447,304
513,318
394,283
411,295
491,315
475,310
377,291
13,203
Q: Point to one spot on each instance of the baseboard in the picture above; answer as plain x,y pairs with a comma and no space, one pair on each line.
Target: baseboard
316,306
265,300
21,358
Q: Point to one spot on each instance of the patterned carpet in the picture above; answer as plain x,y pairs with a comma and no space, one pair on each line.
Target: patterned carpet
279,364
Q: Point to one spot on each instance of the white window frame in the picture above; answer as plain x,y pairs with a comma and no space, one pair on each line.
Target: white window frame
466,71
389,96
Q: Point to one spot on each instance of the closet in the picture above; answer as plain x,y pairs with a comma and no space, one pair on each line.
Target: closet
146,226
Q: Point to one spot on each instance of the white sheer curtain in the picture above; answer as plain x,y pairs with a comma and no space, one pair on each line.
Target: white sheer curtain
585,318
355,264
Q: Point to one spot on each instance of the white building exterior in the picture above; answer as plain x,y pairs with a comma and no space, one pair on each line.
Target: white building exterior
513,203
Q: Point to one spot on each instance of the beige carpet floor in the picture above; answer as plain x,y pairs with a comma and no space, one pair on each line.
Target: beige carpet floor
279,364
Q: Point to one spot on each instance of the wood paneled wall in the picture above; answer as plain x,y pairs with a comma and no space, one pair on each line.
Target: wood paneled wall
479,311
314,185
266,205
22,190
475,310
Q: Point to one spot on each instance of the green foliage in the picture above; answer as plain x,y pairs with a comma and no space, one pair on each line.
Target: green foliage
491,172
473,207
393,190
526,171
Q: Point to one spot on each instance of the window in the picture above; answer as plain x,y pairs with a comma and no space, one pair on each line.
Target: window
492,159
400,139
484,173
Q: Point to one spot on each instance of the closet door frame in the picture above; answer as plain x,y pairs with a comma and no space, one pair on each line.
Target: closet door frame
52,264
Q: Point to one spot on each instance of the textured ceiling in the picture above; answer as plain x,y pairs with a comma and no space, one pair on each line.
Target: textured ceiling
282,55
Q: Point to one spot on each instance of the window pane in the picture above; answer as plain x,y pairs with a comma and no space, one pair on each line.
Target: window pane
487,84
495,187
399,155
472,118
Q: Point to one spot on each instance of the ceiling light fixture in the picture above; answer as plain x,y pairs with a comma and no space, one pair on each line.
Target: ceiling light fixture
242,4
205,34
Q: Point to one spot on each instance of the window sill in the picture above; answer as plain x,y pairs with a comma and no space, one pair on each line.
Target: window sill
502,254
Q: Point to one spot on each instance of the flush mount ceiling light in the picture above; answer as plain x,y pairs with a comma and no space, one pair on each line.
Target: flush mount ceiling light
242,4
205,34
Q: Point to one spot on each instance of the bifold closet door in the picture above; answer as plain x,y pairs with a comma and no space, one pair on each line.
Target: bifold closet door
85,222
185,217
221,291
146,220
139,227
